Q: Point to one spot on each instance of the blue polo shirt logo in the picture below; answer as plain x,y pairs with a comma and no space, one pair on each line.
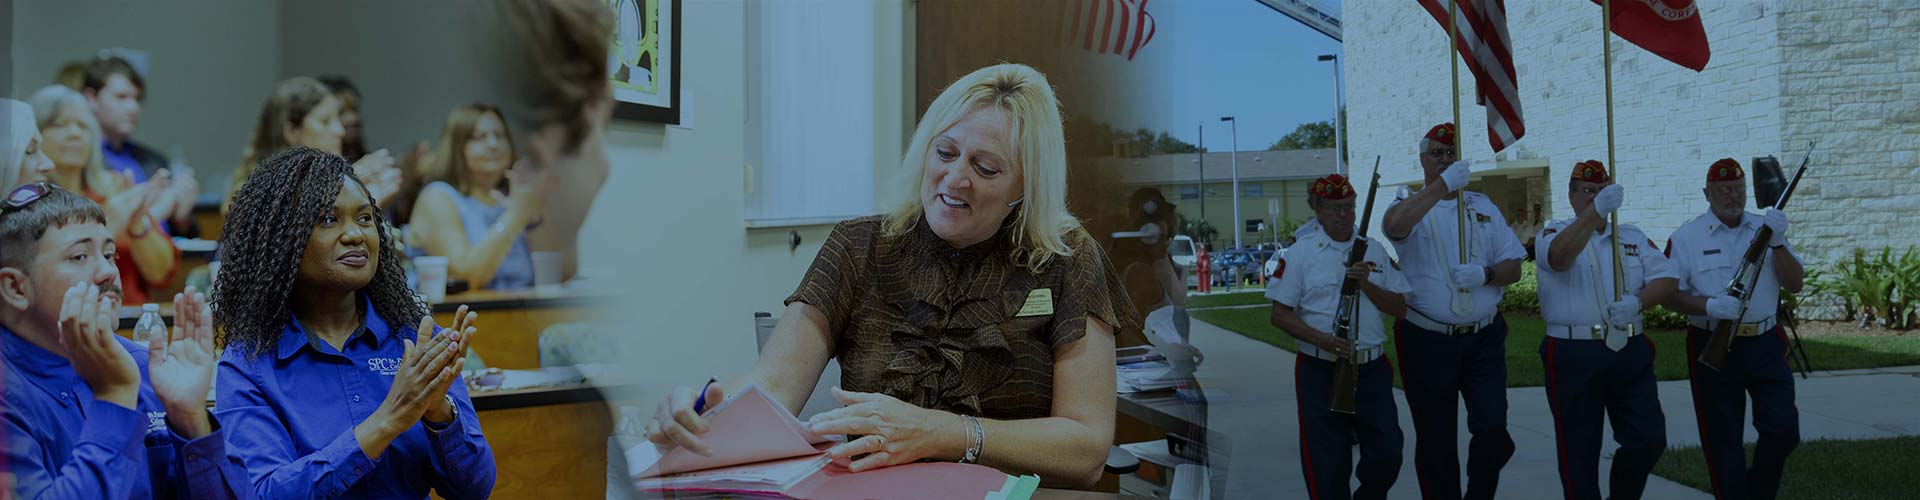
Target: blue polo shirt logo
384,366
156,421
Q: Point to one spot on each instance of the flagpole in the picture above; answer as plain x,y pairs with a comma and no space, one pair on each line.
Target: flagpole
1453,48
1613,221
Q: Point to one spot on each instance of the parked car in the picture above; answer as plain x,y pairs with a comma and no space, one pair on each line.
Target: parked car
1235,264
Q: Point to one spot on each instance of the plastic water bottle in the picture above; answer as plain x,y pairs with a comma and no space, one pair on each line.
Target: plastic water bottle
150,324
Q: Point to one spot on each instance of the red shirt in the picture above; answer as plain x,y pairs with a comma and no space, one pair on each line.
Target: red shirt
133,289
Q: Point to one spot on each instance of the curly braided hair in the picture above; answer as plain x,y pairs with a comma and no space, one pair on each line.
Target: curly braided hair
264,237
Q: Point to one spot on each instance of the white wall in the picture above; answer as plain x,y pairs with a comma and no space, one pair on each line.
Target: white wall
1669,122
212,62
1852,82
669,225
410,61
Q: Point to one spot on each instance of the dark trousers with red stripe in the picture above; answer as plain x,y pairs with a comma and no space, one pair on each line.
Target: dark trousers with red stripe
1439,371
1327,438
1755,367
1588,385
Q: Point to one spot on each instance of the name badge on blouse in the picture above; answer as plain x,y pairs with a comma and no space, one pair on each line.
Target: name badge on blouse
1039,303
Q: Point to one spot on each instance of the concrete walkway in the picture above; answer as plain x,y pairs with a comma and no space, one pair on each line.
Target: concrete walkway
1250,387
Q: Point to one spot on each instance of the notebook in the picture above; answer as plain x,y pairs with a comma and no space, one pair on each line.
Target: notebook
761,451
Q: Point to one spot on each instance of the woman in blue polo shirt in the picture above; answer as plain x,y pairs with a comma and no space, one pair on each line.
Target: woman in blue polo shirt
335,383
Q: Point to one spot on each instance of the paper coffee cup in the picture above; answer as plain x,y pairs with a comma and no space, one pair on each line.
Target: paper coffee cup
433,277
548,269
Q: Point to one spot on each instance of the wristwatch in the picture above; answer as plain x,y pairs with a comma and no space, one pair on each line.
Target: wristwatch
453,414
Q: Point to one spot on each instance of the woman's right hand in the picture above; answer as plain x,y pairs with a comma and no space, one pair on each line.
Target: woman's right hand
377,170
528,188
124,209
426,371
676,424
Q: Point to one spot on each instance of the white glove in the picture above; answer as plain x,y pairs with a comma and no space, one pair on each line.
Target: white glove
1723,307
1776,220
1622,313
1469,275
1456,175
1609,199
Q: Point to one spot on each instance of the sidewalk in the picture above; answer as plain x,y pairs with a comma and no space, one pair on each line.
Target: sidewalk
1250,387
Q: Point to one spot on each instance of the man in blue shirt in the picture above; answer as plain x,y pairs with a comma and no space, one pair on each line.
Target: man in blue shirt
116,91
89,414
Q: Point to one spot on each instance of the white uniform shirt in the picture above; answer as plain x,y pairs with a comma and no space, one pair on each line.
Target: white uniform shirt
1580,295
1430,251
1309,282
1707,253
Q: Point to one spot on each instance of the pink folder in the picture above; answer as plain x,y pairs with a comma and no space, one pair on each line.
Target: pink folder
761,450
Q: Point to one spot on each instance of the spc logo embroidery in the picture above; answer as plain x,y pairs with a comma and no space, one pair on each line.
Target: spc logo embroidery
384,366
156,421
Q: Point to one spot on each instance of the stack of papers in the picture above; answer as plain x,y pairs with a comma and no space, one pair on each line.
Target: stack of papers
760,450
1149,376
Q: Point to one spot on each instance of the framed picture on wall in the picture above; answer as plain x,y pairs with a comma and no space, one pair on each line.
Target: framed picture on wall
645,61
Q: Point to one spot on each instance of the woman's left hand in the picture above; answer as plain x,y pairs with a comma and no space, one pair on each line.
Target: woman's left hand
892,431
439,411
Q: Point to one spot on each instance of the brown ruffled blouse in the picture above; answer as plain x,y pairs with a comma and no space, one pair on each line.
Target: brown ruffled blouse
935,326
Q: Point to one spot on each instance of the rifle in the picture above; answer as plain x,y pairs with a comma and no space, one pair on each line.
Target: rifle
1746,278
1346,373
1796,353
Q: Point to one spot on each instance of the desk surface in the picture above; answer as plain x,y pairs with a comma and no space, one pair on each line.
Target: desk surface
1052,494
483,300
537,396
476,300
1167,411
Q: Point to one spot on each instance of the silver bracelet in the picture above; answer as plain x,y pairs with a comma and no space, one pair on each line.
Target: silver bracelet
976,437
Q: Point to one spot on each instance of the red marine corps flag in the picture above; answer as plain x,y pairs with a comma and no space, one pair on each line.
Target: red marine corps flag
1670,29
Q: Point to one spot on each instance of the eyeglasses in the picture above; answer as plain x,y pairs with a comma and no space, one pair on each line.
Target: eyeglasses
1441,152
25,195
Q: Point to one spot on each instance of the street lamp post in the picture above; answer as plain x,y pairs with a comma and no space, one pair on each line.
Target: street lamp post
1203,175
1339,101
1235,156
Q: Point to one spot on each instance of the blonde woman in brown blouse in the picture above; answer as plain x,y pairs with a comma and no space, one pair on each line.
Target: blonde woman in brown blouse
973,323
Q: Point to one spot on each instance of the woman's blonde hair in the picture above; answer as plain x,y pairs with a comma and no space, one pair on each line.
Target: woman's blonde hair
47,105
290,102
448,163
1042,222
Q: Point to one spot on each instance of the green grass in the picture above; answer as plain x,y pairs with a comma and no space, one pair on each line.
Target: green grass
1821,470
1524,368
1247,298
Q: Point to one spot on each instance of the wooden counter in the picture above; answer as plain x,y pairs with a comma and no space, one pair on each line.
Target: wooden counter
509,325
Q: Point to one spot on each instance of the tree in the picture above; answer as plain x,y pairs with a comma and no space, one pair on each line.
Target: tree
1097,139
1315,135
1199,230
1167,144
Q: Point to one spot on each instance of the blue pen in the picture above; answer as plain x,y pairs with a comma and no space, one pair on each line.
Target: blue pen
700,402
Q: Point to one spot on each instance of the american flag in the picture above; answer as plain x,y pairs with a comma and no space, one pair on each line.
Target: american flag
1488,53
1118,27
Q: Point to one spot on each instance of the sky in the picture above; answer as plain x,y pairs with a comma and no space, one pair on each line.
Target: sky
1241,58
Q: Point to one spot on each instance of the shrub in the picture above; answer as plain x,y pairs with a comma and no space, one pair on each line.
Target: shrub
1874,288
1523,296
